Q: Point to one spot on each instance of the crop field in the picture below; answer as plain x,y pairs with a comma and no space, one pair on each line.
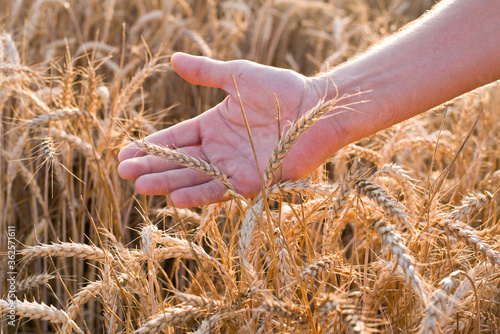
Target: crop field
396,233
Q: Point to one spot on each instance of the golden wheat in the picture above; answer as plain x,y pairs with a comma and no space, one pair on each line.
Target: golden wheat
398,232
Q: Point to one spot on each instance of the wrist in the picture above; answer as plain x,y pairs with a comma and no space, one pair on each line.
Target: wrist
344,121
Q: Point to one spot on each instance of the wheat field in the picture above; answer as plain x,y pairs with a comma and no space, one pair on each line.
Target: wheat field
397,233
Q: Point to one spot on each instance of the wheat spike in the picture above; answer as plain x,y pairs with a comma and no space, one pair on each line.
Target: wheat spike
66,249
283,265
295,131
286,310
33,281
198,301
170,316
392,239
83,296
392,208
184,159
453,225
363,152
11,54
437,305
325,263
80,145
57,115
34,310
346,311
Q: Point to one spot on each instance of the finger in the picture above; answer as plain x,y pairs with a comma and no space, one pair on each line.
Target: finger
167,182
133,168
206,71
183,134
202,194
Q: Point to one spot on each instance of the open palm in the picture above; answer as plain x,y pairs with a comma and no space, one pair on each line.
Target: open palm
220,135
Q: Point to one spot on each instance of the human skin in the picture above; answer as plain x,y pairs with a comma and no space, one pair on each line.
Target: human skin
451,50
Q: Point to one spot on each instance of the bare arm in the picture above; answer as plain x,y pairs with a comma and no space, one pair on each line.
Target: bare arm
451,50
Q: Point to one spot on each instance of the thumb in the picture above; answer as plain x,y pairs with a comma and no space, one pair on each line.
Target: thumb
203,70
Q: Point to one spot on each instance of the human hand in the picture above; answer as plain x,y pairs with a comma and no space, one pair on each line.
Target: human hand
220,135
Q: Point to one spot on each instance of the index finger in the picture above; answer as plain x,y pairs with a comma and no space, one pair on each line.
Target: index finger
186,133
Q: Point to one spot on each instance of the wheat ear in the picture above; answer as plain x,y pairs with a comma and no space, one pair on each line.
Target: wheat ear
252,216
296,130
66,249
180,214
346,311
11,53
284,271
362,152
57,115
300,188
345,189
470,205
198,301
207,220
171,242
325,263
394,241
438,305
33,281
452,225
469,236
283,309
442,147
210,324
170,316
82,146
392,208
34,310
133,85
184,159
90,291
10,69
404,180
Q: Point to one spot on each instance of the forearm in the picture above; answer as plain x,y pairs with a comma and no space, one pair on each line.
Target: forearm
453,49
